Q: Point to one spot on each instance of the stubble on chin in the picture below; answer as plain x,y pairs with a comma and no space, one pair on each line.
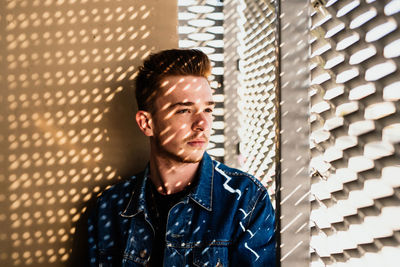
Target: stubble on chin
189,160
181,158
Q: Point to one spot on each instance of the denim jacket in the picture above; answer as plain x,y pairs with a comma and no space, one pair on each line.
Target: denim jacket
226,220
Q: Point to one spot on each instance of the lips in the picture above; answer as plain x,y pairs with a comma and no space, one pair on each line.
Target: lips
197,142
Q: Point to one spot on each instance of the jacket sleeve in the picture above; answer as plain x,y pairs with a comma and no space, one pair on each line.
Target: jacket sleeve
256,244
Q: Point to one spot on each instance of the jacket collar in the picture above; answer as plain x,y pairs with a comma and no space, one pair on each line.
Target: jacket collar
137,201
201,194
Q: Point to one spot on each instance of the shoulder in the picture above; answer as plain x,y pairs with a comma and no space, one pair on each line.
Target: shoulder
119,192
237,178
240,191
231,182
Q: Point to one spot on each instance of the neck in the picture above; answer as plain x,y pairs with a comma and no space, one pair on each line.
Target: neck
170,176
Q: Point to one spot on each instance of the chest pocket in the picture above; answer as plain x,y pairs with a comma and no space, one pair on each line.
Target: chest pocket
213,256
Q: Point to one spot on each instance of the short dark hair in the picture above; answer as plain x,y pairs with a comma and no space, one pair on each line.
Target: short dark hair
173,62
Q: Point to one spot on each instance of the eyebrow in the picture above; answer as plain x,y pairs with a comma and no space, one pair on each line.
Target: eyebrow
188,104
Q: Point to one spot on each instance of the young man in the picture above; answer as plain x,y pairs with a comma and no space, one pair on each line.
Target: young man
184,209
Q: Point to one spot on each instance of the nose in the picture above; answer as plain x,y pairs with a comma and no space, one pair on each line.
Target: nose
200,123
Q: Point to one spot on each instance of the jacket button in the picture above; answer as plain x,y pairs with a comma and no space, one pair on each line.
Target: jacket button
143,253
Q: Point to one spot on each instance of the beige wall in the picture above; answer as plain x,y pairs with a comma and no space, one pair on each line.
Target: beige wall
67,125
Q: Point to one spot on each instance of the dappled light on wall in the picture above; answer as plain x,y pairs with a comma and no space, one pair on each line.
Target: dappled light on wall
67,121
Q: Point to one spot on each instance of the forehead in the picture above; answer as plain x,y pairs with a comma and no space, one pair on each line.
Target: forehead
184,89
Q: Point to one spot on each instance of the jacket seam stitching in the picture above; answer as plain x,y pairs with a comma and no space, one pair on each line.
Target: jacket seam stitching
194,245
253,208
134,259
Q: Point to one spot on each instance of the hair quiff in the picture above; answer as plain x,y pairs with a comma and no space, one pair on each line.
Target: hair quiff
173,62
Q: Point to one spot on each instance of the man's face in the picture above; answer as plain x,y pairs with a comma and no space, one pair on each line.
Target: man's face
182,118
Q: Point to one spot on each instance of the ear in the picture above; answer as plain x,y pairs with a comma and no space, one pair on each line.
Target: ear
145,123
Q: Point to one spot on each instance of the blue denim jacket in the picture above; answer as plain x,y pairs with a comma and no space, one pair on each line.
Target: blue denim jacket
226,220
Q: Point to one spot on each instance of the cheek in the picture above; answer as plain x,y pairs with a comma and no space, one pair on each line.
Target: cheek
183,129
174,129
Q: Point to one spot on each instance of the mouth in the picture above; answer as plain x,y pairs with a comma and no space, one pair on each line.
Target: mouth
198,143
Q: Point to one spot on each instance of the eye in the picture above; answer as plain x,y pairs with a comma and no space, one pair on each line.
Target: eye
208,110
181,111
